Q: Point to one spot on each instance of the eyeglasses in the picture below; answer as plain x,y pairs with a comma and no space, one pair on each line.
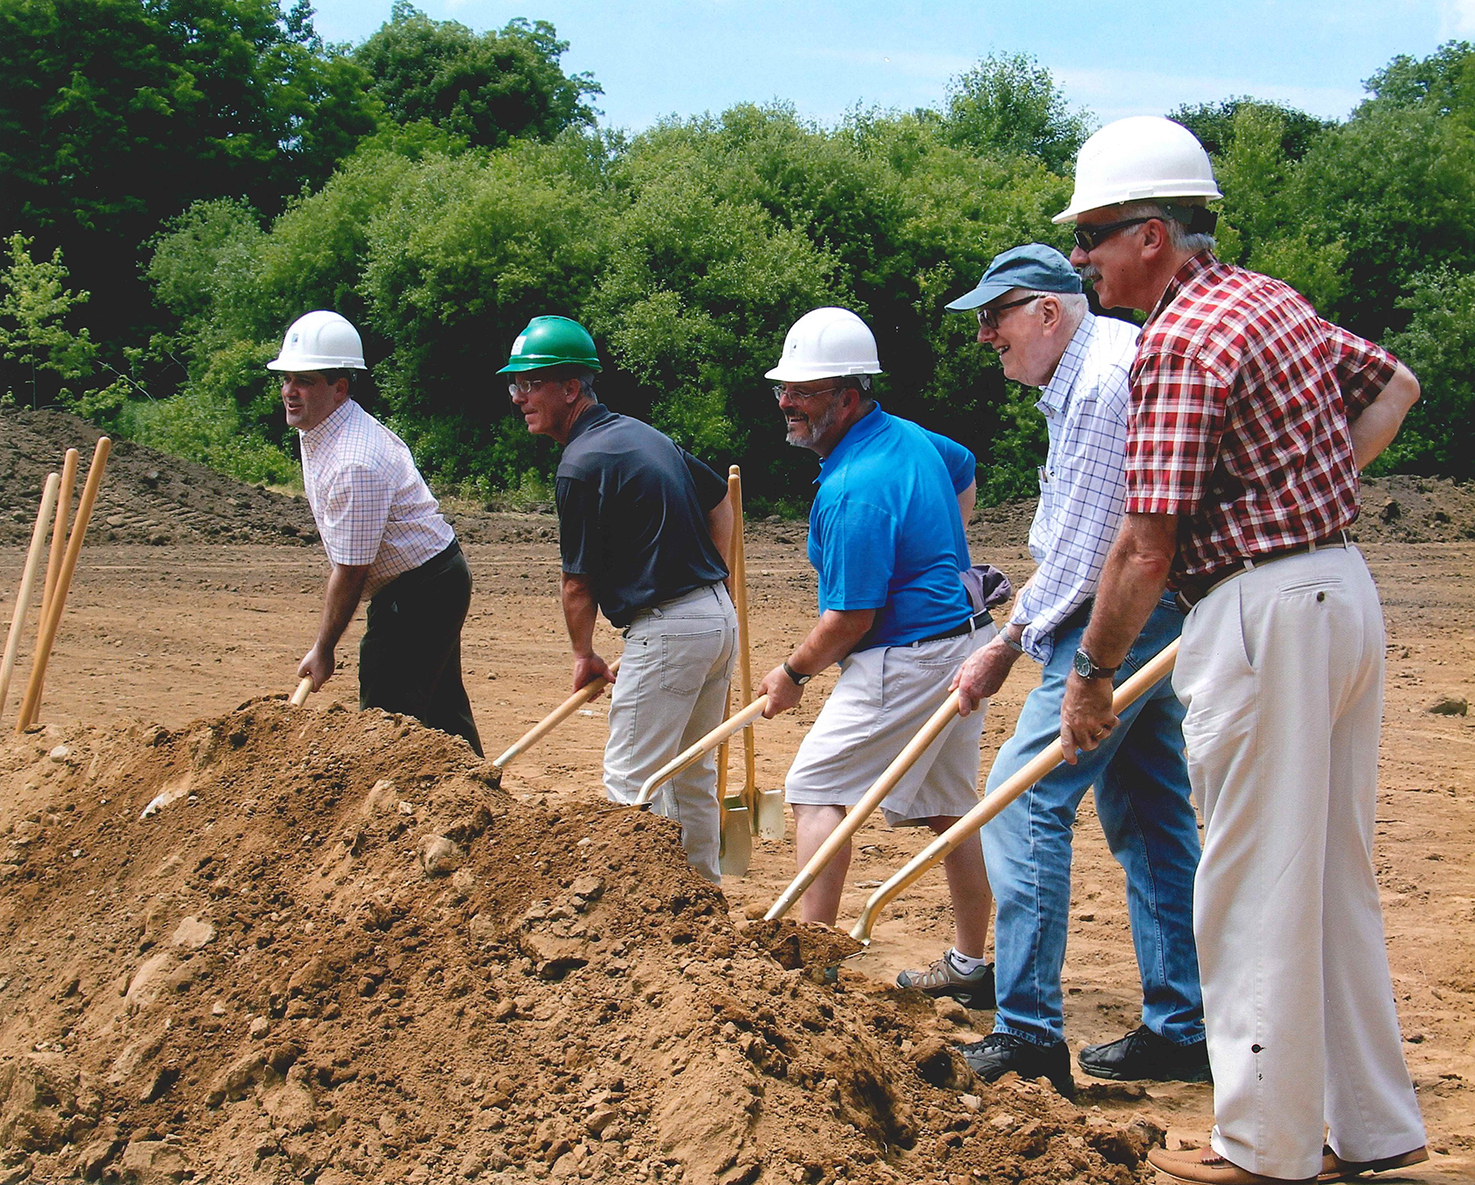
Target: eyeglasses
527,386
1088,238
782,389
989,315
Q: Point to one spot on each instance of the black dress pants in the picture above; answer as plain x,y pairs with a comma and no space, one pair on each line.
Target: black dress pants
410,655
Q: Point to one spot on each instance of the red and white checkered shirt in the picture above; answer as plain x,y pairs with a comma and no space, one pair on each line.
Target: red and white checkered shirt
1239,417
369,501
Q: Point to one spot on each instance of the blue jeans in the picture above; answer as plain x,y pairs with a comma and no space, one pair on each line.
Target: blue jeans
1141,781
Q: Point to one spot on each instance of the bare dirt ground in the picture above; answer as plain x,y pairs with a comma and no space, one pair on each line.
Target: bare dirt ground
168,633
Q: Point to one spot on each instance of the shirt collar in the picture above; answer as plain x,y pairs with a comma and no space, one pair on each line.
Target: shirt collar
597,414
315,438
1055,394
1185,275
860,431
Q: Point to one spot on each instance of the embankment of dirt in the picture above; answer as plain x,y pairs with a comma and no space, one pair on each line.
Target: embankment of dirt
318,946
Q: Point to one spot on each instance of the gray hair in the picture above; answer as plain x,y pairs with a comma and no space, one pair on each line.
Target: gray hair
586,387
1179,235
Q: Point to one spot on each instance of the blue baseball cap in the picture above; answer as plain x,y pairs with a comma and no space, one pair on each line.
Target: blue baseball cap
1032,266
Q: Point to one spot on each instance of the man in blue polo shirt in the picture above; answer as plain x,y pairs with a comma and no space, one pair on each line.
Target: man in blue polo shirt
886,537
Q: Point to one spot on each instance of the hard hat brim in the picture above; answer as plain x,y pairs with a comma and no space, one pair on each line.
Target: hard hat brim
517,365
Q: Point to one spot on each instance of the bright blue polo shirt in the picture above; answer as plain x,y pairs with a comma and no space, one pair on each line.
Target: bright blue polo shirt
885,532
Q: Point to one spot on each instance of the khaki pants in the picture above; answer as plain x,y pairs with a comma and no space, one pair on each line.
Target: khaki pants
673,680
1281,673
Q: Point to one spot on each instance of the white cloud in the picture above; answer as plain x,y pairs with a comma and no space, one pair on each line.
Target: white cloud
1456,18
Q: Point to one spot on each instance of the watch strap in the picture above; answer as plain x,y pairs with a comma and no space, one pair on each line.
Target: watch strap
797,679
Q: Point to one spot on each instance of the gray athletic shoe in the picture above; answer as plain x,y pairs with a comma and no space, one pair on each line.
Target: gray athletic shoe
944,979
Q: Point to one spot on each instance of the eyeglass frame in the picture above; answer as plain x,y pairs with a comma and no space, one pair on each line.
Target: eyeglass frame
1088,238
782,389
988,315
516,387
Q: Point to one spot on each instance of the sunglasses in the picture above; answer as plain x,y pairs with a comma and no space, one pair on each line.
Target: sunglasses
528,386
989,315
1088,238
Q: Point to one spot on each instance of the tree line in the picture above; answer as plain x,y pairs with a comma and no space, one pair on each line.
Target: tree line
182,178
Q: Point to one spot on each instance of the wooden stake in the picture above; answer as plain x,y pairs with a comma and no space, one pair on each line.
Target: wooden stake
27,582
31,707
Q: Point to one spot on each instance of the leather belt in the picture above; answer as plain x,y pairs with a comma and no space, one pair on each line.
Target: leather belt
1197,588
977,621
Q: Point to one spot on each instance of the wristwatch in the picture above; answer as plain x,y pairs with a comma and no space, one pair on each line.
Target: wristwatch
799,680
1086,667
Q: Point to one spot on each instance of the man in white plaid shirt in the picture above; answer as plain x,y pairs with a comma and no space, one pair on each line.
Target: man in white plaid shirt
384,534
1032,311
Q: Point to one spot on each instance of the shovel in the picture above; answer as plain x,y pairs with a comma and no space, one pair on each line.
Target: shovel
869,801
549,722
764,809
737,848
304,689
1160,665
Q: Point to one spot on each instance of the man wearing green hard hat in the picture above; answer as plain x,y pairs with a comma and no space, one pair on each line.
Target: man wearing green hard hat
643,529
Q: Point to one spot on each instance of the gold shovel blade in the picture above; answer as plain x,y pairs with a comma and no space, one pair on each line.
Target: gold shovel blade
770,822
736,852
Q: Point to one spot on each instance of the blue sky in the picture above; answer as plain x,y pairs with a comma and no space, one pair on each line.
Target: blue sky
685,57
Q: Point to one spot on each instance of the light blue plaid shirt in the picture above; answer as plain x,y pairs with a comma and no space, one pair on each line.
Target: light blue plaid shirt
1083,483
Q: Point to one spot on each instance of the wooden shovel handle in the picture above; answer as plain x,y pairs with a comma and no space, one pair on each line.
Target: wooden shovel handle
304,689
31,708
27,583
697,751
869,801
554,718
745,662
1160,665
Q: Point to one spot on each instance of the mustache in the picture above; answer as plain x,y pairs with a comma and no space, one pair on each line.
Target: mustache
1091,273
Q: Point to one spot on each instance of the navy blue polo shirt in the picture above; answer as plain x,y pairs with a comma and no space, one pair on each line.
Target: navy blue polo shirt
632,514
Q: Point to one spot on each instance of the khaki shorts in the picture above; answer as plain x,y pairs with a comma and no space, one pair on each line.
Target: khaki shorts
883,698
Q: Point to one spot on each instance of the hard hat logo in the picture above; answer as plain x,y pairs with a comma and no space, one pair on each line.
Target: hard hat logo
826,343
1139,158
320,340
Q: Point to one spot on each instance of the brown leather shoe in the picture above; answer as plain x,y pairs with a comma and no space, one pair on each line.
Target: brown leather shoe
1334,1168
1204,1166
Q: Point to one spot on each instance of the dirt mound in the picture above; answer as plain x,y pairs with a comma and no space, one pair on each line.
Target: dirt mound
146,496
318,946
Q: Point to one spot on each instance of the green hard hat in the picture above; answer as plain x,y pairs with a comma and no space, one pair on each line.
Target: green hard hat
552,341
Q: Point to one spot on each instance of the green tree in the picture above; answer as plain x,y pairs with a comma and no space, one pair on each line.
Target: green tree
35,305
1438,347
486,89
1009,103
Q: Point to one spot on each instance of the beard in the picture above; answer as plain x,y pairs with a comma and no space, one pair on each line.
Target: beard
804,435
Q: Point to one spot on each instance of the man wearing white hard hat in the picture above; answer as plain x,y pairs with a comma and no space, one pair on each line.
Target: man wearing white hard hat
384,534
886,537
1250,418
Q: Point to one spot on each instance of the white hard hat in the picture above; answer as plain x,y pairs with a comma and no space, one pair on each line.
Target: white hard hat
826,343
320,340
1137,159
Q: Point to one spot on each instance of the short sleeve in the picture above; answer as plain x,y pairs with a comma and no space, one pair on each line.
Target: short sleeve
858,555
1174,429
578,525
961,464
1363,368
711,487
355,510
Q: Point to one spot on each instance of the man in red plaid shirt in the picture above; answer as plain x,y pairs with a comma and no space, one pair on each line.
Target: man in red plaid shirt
1250,419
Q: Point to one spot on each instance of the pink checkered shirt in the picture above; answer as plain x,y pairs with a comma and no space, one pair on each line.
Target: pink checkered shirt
369,501
1239,417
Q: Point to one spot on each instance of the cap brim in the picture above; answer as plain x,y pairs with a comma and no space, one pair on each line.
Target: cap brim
985,292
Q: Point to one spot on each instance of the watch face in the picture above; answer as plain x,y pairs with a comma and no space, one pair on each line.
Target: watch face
1083,664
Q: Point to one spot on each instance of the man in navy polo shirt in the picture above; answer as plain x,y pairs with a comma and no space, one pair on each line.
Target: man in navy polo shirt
886,537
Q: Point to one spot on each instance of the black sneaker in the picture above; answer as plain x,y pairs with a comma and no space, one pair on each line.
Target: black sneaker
1143,1055
998,1053
944,979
